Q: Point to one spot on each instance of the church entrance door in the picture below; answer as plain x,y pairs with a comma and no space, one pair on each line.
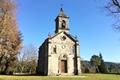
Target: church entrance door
64,66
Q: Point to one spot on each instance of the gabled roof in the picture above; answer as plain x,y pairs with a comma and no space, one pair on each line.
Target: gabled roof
68,35
71,36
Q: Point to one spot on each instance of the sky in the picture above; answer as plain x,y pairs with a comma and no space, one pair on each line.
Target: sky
88,21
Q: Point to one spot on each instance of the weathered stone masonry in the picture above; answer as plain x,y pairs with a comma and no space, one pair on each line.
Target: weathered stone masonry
60,53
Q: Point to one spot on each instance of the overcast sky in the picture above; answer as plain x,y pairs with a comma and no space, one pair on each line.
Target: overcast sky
88,21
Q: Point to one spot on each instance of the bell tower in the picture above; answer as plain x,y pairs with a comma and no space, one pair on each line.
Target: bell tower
62,22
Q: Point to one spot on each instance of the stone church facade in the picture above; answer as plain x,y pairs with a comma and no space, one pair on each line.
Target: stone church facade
60,54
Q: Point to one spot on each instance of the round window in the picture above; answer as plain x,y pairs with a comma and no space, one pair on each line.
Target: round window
63,38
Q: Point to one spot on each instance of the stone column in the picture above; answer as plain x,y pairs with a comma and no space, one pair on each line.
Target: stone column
49,57
78,58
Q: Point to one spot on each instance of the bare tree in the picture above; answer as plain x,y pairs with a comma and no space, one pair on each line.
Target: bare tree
10,37
27,59
113,7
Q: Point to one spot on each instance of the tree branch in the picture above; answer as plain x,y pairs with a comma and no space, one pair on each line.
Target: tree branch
116,3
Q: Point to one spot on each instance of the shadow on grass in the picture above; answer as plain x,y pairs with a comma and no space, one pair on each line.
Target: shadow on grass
27,75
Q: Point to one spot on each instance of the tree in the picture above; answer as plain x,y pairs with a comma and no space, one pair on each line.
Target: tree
27,62
96,61
86,67
114,68
10,37
102,67
99,63
113,6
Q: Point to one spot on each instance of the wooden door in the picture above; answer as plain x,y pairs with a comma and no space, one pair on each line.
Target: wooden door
64,66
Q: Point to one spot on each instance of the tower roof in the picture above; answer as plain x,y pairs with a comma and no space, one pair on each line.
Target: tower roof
62,14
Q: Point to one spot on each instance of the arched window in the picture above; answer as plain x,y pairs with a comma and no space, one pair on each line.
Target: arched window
73,49
63,24
54,49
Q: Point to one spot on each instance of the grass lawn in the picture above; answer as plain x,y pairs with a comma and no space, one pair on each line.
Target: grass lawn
82,77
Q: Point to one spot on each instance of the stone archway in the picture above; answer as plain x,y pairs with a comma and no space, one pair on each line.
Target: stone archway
63,64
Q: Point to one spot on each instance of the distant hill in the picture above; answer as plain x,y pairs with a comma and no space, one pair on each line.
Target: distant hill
112,67
107,63
112,63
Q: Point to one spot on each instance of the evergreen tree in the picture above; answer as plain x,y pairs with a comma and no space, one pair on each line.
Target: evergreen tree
95,61
102,67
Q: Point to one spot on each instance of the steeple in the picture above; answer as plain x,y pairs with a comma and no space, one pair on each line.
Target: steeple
61,14
62,22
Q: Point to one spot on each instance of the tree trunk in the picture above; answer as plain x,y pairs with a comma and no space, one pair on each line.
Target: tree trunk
97,69
6,67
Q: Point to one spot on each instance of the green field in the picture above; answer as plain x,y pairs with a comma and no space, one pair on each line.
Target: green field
81,77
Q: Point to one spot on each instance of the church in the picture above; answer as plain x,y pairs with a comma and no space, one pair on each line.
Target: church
59,54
